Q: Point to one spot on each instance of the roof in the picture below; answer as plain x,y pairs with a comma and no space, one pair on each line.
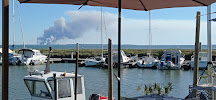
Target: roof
43,77
129,4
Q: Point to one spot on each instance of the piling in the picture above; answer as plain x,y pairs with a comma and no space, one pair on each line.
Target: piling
5,46
76,70
196,58
110,70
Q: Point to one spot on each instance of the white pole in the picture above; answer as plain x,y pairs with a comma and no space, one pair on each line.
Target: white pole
150,36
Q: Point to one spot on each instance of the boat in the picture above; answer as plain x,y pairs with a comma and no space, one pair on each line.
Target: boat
148,62
123,57
50,85
96,61
31,57
171,59
10,55
203,62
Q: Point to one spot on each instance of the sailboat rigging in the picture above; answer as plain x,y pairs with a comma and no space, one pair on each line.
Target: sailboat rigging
148,61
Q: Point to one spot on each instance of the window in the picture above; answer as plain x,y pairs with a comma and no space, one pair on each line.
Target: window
51,83
79,85
37,88
64,88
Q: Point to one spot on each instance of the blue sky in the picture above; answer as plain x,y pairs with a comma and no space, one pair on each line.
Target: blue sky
172,26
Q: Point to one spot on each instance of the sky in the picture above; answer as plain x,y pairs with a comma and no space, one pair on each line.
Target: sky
65,24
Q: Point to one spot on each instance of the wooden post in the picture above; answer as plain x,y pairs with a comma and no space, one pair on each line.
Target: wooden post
119,48
110,70
76,72
5,46
196,58
47,69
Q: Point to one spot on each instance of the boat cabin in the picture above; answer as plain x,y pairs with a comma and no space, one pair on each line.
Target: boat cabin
54,86
29,53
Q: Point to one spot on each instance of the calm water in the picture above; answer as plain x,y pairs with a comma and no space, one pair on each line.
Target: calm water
98,46
96,79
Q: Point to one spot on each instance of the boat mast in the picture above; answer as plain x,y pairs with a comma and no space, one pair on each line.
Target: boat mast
101,35
13,31
21,26
150,35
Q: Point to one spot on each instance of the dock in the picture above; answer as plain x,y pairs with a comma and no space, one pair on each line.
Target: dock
66,60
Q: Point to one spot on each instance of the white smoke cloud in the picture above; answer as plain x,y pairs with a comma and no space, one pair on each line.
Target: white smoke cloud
80,22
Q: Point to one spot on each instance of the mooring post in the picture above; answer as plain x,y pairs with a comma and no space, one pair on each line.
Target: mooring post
110,70
76,72
5,46
196,58
119,48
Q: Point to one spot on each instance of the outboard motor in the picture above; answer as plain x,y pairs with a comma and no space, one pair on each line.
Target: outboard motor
94,97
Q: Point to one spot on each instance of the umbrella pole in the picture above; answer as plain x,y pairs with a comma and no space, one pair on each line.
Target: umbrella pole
5,46
119,48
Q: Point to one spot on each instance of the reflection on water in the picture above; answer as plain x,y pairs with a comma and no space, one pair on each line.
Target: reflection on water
96,79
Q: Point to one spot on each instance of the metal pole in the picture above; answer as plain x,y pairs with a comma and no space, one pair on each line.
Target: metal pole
110,70
196,59
76,72
5,46
119,48
55,85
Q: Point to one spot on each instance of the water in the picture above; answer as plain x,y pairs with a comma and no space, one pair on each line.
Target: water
98,46
96,79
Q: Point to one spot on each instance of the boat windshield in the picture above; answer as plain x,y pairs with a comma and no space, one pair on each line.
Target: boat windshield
37,88
79,85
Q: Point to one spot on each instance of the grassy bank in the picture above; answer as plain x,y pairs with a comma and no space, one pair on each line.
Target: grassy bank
84,53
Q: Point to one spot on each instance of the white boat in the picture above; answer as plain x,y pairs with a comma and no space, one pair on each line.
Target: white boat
203,62
94,62
31,57
171,59
123,57
148,62
49,87
12,59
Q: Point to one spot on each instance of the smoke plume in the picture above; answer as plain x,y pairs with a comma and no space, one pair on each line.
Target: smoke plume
78,24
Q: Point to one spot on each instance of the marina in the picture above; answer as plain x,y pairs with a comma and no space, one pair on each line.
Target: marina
111,74
96,80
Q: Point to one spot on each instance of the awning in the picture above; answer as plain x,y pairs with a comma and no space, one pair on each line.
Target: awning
129,4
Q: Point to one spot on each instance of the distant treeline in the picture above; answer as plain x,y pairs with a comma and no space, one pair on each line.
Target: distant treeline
84,53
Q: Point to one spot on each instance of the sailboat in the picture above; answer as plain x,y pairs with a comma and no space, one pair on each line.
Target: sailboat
97,61
25,56
148,61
